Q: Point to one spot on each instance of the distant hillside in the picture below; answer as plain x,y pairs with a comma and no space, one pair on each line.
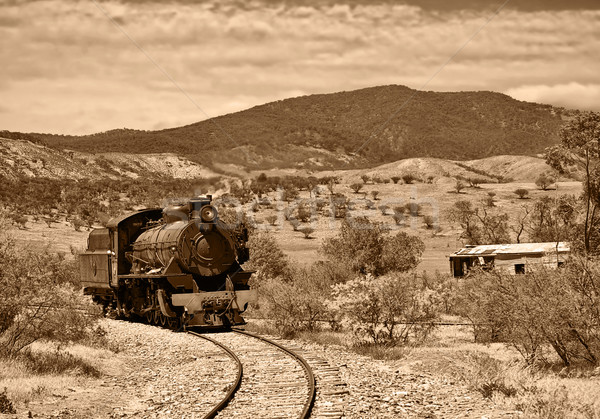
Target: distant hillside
21,159
325,131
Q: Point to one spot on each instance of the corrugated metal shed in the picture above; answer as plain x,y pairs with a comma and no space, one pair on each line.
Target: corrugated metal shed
513,249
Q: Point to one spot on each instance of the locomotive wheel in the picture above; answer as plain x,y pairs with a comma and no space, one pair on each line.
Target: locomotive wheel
156,317
163,320
172,322
149,317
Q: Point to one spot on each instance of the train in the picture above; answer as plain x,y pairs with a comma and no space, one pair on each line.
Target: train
176,266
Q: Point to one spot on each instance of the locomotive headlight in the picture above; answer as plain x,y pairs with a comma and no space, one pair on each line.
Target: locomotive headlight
208,213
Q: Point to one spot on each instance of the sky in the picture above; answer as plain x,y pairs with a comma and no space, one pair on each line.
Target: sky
80,67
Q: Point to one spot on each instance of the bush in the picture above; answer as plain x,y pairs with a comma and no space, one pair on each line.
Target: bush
413,208
429,222
459,186
374,194
408,178
307,231
6,406
356,187
396,179
296,303
387,310
489,200
521,193
544,181
266,257
363,247
544,307
40,295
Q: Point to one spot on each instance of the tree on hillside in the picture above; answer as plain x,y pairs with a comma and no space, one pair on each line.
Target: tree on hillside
580,146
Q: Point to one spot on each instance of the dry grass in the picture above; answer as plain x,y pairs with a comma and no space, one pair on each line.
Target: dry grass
46,369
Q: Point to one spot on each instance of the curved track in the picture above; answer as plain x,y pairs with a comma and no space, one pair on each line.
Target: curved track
272,381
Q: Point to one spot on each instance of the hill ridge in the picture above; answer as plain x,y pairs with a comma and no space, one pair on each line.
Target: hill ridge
324,131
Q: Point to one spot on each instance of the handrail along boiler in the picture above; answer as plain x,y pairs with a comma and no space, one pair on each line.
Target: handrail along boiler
180,264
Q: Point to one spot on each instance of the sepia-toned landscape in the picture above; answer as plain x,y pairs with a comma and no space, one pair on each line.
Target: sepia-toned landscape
337,237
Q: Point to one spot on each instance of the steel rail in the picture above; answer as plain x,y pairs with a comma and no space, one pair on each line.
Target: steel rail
236,385
309,374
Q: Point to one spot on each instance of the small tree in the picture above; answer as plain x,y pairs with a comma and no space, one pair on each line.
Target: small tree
429,222
398,217
489,200
396,179
295,224
266,257
522,193
374,194
459,186
544,182
365,178
356,187
307,231
413,208
408,178
271,219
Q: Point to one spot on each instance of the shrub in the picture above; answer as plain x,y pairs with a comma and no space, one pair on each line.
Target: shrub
339,205
304,212
307,231
521,193
271,219
544,307
413,208
365,178
429,222
544,181
374,194
459,186
398,217
356,187
296,303
6,406
408,178
266,257
364,248
396,179
387,310
383,209
295,224
40,296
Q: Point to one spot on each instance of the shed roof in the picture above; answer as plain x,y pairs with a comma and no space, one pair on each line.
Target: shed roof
513,248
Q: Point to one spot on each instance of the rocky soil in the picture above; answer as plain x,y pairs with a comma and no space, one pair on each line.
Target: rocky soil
156,373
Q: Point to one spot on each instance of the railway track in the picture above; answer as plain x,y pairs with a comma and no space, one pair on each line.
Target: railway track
272,381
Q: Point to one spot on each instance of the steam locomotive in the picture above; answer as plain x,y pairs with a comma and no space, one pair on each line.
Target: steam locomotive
174,266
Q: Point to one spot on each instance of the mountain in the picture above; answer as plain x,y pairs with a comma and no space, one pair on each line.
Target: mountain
360,128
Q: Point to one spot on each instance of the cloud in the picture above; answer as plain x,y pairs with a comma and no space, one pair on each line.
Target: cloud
570,95
68,69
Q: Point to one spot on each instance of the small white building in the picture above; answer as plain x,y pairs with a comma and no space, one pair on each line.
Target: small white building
513,258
